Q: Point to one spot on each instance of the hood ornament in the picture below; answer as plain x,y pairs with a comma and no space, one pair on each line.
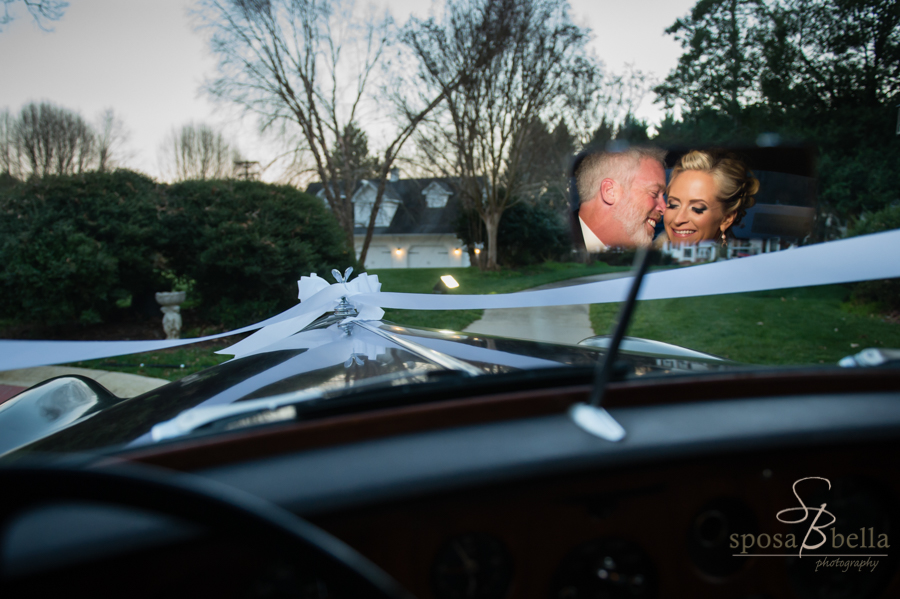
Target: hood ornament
342,279
344,308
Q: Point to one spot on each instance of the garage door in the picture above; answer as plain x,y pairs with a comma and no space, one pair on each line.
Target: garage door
428,256
379,256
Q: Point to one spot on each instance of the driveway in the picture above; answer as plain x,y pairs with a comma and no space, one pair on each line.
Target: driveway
555,324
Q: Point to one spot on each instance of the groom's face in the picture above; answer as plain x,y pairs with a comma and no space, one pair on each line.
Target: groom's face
644,202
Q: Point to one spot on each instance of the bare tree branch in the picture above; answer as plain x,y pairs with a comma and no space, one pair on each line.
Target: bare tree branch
543,72
309,64
197,152
41,10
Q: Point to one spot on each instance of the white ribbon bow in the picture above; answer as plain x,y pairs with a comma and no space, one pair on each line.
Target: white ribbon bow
317,297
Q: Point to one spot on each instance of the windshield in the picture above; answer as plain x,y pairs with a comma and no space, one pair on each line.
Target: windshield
457,196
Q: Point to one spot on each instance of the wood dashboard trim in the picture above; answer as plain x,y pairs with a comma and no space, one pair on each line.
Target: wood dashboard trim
227,448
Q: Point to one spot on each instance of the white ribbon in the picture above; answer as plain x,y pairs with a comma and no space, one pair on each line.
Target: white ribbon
849,260
318,297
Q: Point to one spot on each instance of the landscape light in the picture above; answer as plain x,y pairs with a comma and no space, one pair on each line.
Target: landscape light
449,281
477,251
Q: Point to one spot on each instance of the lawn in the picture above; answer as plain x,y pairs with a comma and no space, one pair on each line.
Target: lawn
475,282
813,325
170,364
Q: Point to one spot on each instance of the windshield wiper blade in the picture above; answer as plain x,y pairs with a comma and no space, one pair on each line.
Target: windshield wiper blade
871,357
591,416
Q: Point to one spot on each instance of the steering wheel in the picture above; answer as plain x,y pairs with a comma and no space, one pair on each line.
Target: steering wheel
199,501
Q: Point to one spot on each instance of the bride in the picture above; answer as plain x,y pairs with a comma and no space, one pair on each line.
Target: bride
708,194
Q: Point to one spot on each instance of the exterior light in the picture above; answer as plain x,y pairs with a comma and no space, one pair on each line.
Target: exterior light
457,251
477,251
398,251
449,281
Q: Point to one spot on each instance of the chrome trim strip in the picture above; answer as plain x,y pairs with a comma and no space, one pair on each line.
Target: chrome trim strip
441,359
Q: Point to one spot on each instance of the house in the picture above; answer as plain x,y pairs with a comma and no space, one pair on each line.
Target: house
710,251
415,226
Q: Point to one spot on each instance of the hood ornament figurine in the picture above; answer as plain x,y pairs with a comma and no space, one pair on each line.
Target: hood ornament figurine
344,308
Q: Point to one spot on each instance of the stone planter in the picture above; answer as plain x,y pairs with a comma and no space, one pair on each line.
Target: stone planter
171,309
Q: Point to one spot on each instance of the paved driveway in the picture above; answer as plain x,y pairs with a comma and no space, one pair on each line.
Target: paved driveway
556,324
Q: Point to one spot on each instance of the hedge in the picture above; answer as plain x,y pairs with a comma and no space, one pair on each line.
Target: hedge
74,246
82,247
245,244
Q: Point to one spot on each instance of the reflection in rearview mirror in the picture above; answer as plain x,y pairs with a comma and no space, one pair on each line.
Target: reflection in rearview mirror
694,205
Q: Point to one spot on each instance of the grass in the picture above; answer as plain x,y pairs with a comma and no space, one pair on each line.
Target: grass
813,325
169,364
475,282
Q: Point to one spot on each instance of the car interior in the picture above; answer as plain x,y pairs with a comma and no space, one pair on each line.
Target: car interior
487,495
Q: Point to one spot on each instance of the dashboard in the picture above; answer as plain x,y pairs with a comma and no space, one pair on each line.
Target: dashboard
465,500
650,531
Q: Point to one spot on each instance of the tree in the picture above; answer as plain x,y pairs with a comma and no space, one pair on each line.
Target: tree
111,134
814,71
50,10
307,66
482,133
44,139
197,151
53,141
548,154
352,159
9,147
720,68
529,233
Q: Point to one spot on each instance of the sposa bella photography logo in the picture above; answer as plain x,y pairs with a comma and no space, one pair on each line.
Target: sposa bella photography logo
820,533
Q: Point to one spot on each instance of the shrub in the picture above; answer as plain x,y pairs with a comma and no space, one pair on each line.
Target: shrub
72,246
885,219
885,294
529,233
246,243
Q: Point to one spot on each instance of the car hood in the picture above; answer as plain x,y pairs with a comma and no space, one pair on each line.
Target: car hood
317,372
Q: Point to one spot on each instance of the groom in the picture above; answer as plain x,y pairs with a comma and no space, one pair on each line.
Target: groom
622,197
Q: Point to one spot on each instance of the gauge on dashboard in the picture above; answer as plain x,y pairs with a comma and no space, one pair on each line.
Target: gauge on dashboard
710,533
609,568
472,566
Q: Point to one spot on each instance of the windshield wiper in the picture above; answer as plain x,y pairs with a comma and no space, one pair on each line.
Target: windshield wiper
873,356
591,416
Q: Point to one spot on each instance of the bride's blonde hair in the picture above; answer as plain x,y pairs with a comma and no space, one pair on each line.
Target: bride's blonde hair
735,183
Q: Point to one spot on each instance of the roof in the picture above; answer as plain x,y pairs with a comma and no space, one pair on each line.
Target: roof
413,215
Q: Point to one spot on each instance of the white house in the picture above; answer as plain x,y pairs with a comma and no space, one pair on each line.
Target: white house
710,251
415,225
765,228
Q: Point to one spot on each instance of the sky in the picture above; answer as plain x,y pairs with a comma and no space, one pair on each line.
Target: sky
143,59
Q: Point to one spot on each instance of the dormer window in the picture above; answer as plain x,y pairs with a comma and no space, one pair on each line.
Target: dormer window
436,195
364,201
